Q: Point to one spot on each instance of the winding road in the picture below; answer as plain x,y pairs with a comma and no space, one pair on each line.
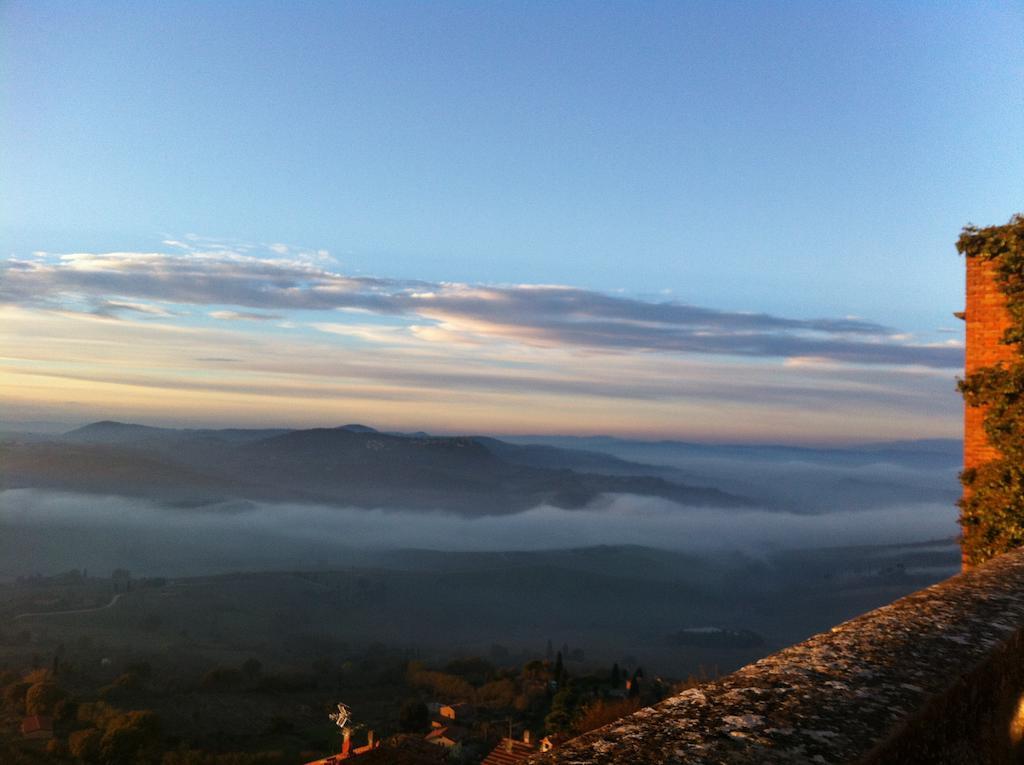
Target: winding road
111,604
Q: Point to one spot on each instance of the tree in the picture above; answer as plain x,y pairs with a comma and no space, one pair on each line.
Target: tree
534,670
42,698
563,710
96,713
220,678
634,684
414,717
603,712
85,744
498,694
450,687
14,696
56,749
141,669
251,668
129,734
474,670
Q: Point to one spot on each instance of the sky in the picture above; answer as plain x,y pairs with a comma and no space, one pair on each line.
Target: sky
710,221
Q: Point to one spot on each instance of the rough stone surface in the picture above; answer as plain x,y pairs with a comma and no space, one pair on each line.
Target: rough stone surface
936,670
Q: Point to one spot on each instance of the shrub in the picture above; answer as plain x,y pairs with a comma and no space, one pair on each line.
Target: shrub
85,744
42,698
127,735
414,717
14,696
603,712
221,678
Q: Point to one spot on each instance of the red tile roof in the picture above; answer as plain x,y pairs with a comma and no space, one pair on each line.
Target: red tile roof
454,732
437,732
509,752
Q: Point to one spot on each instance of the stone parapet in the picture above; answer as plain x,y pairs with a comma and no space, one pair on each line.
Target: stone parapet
935,677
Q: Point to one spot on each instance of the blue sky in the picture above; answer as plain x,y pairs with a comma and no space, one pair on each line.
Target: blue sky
801,160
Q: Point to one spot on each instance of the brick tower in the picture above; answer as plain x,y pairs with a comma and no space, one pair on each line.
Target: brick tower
987,319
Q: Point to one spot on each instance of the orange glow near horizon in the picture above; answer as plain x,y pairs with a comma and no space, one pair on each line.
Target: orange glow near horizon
74,367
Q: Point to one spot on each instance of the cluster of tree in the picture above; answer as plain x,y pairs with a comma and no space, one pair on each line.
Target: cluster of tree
15,753
104,731
543,696
603,711
584,703
114,726
115,737
34,693
473,680
97,732
249,676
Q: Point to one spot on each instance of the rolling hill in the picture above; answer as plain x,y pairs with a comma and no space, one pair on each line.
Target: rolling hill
353,465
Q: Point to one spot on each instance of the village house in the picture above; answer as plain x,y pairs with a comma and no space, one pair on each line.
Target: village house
448,726
511,751
447,735
462,712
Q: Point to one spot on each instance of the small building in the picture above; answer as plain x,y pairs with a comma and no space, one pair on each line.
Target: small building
447,735
510,752
37,727
462,712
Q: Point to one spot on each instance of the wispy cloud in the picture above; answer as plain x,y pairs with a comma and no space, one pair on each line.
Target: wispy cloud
227,332
264,287
244,316
90,367
113,308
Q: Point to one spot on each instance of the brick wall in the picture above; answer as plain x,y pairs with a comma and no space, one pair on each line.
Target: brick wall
987,320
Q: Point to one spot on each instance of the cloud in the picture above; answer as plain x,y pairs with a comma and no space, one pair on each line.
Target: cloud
531,315
444,372
112,308
244,316
410,382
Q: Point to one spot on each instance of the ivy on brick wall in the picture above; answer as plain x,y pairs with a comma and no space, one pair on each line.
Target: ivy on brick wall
992,512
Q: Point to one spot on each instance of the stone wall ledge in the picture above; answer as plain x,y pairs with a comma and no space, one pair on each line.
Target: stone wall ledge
935,677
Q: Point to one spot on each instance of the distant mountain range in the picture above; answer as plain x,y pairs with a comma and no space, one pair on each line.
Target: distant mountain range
351,465
921,453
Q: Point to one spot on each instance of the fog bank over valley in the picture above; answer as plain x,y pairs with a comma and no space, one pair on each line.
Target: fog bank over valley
47,531
173,502
351,537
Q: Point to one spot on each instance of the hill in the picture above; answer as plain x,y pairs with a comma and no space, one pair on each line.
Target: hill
352,465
